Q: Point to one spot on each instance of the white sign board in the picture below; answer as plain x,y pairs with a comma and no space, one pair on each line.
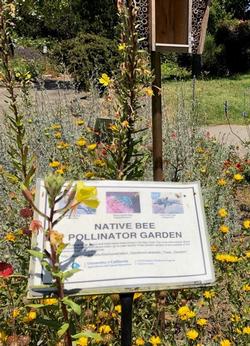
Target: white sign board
143,236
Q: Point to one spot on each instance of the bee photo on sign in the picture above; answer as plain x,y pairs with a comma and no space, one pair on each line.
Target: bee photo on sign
167,203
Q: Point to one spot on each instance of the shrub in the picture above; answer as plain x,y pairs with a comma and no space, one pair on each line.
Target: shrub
214,57
171,70
87,56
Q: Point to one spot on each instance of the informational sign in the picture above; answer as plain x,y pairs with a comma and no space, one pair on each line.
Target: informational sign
143,236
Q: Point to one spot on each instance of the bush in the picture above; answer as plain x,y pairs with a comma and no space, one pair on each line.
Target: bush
228,50
87,56
214,57
171,70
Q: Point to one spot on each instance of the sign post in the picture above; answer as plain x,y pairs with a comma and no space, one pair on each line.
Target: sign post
157,117
126,320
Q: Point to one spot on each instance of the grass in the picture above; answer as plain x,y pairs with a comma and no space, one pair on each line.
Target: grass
210,97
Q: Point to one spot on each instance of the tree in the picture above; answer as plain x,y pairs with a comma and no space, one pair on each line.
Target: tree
237,8
64,19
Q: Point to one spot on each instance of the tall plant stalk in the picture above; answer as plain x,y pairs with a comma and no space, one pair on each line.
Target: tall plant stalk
24,167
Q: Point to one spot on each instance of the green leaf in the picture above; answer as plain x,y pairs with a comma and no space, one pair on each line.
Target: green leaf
88,334
60,248
35,306
70,273
35,253
63,329
75,307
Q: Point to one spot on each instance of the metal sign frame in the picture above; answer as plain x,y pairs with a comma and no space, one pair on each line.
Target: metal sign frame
154,242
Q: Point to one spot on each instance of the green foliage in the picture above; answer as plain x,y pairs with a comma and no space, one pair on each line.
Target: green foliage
213,57
234,35
86,57
171,70
64,19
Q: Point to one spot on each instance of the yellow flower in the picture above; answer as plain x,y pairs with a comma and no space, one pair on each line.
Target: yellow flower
185,313
200,150
54,164
203,170
221,182
62,145
246,330
121,46
201,322
83,341
222,212
3,335
55,126
235,318
209,294
50,301
105,329
192,334
137,295
246,223
91,327
214,248
104,80
238,177
99,163
149,91
10,237
246,287
81,142
247,254
224,229
58,135
155,340
60,171
30,316
113,128
118,308
191,314
86,195
139,342
89,175
225,342
227,258
80,122
15,313
125,124
56,238
183,310
92,146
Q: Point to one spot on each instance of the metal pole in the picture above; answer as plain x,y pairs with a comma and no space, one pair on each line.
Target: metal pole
157,117
126,320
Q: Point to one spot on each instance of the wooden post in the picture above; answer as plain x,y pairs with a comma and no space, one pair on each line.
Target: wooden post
157,117
126,321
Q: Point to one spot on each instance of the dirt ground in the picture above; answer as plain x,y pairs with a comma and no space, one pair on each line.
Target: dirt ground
228,135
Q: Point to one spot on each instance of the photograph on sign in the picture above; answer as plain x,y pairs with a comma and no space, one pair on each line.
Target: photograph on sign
143,236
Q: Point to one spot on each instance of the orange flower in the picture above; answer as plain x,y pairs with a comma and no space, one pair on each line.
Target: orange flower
35,226
56,238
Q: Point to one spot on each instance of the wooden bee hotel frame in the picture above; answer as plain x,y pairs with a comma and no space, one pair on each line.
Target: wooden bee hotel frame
173,25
